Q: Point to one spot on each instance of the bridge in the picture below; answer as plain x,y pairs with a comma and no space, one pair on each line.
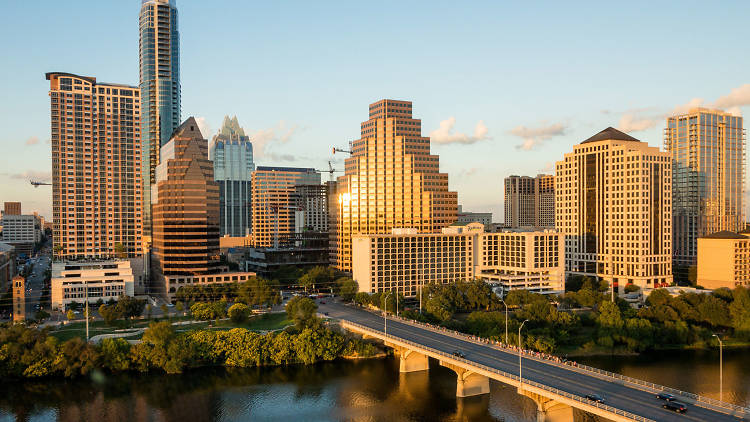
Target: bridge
556,387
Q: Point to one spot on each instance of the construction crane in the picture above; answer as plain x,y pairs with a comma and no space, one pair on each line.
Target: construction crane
330,171
37,184
335,150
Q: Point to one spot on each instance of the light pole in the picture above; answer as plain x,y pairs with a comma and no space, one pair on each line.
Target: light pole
721,369
520,379
506,321
385,314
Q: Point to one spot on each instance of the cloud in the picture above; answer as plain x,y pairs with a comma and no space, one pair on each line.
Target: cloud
467,172
549,167
264,138
533,137
631,122
35,175
204,127
445,134
281,157
685,108
32,140
736,98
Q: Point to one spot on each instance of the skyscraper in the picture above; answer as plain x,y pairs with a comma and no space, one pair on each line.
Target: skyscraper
391,181
274,202
612,203
708,163
232,154
530,201
96,167
160,88
186,207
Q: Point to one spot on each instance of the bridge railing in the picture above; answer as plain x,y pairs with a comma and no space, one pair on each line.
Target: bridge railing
718,405
514,377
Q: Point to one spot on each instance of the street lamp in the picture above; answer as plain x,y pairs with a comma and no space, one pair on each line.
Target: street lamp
520,379
506,321
385,314
721,369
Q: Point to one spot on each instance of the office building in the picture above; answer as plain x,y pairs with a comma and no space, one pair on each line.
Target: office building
465,217
724,260
79,281
7,266
303,251
311,202
159,51
96,160
391,181
707,148
232,155
613,197
23,232
19,298
274,206
12,208
530,201
405,260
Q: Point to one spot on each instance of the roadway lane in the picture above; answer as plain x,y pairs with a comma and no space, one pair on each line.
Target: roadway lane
619,396
35,283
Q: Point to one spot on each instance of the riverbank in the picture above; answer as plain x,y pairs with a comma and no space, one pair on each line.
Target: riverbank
602,351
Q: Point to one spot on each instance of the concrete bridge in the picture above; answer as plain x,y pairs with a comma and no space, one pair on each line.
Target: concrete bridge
555,387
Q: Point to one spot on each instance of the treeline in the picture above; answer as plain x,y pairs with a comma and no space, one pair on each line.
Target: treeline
31,353
599,324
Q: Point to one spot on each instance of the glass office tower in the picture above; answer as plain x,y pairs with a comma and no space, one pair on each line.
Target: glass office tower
708,168
160,88
232,154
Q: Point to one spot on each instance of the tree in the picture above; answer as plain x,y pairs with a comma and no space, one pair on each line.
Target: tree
203,311
70,315
317,276
301,310
164,310
362,299
346,287
41,315
739,310
110,313
609,316
258,291
130,307
115,354
179,307
239,312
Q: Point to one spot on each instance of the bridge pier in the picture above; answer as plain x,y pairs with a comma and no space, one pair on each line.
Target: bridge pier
548,410
468,383
410,360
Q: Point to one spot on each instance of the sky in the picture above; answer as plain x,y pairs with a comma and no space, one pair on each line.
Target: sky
501,87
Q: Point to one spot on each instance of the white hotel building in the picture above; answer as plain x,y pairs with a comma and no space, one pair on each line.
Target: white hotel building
405,259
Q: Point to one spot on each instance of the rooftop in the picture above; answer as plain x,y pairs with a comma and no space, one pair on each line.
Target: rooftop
725,234
610,133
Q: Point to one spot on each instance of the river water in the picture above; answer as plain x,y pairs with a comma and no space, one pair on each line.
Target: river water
368,390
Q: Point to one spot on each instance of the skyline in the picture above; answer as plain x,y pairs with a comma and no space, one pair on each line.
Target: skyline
479,110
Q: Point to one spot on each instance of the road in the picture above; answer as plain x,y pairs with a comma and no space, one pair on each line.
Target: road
620,396
35,283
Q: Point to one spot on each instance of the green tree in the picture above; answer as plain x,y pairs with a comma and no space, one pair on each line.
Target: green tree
346,287
302,311
739,310
239,312
179,307
115,354
110,313
130,307
70,315
76,357
609,316
317,277
164,310
258,291
362,299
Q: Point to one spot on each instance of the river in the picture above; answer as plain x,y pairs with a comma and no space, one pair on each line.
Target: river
368,390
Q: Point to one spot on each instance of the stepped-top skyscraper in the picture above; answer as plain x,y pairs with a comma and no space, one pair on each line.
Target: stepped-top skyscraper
232,154
160,88
708,162
391,181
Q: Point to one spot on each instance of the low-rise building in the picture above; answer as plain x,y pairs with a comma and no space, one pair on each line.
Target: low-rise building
405,260
173,283
7,265
19,298
21,231
473,217
724,260
90,280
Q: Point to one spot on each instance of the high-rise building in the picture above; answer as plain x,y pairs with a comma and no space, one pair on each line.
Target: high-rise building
232,154
530,201
12,208
159,46
312,208
723,260
96,164
186,206
21,232
391,181
708,173
274,205
613,197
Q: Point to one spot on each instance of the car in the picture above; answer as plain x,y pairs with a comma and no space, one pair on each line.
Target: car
675,406
322,302
325,313
459,354
666,397
595,397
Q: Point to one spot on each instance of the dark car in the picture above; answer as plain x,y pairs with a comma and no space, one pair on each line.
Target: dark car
666,397
459,354
595,397
675,406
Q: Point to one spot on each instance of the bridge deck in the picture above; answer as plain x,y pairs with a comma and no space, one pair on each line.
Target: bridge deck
634,399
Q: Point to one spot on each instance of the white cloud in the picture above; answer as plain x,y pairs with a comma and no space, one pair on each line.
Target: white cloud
533,137
684,108
264,138
35,175
204,127
32,140
631,122
736,98
446,135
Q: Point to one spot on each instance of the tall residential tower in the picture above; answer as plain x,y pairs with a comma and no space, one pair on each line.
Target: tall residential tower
708,162
391,181
232,154
613,197
160,88
530,201
96,167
